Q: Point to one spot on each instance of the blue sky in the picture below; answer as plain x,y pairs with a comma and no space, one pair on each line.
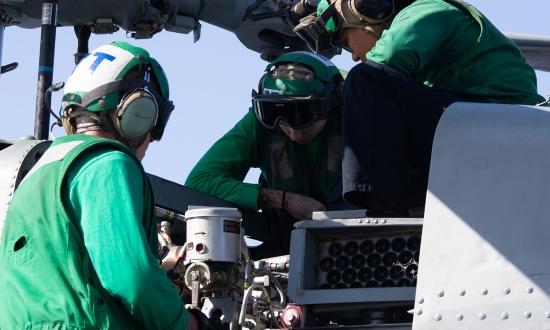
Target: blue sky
210,80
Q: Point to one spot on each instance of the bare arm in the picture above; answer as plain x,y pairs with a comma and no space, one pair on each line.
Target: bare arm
298,206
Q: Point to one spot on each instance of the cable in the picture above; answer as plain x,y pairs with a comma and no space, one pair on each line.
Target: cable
47,100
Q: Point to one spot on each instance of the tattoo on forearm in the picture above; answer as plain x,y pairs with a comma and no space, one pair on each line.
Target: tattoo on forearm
269,199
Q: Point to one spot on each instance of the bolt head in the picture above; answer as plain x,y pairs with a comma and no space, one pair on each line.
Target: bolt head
421,300
482,316
101,103
419,312
459,317
506,290
547,314
375,221
504,316
438,317
461,292
484,291
440,293
527,315
384,221
529,290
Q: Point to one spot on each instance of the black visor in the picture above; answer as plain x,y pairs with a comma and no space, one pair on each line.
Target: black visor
297,112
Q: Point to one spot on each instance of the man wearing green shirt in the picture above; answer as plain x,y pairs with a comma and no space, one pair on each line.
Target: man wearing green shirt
292,133
79,247
417,58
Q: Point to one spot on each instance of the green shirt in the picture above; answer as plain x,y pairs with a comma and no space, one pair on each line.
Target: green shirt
457,50
311,169
90,258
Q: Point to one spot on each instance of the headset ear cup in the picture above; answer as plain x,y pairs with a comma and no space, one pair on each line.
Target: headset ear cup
136,115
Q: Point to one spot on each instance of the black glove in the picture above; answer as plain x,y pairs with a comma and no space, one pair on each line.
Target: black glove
205,323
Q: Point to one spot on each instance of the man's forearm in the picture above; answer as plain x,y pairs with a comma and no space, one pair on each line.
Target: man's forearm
270,199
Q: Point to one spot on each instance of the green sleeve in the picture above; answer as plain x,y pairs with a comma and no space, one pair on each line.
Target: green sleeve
419,35
106,193
221,171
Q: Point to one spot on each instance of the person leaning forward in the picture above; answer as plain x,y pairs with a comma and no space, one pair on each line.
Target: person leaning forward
79,247
417,58
292,133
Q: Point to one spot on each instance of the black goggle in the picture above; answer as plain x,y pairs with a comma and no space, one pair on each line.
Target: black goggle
297,112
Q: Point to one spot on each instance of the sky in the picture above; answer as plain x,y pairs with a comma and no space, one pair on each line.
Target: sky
210,81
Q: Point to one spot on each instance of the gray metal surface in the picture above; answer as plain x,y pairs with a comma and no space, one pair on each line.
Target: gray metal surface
16,160
365,327
535,48
306,244
357,222
485,257
346,214
257,24
177,198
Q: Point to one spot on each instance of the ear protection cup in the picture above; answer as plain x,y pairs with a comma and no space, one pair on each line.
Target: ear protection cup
136,114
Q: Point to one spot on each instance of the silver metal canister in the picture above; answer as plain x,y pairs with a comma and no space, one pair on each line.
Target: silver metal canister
213,234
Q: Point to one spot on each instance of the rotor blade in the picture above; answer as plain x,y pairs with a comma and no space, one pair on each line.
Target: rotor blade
535,48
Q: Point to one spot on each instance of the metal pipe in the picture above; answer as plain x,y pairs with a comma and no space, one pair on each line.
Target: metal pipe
247,293
45,68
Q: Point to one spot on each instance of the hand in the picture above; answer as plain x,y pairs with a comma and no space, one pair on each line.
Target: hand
300,206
